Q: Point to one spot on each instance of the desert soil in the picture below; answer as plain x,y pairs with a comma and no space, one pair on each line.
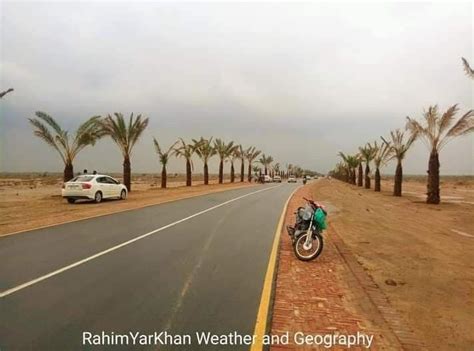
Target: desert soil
29,201
419,255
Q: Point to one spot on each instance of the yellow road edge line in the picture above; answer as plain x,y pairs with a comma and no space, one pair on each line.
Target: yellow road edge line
264,308
122,210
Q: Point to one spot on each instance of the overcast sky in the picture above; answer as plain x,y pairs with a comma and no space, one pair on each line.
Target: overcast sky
299,81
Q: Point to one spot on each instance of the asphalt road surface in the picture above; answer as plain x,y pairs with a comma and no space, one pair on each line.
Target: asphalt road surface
194,265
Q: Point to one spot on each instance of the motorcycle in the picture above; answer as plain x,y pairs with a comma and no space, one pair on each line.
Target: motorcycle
306,234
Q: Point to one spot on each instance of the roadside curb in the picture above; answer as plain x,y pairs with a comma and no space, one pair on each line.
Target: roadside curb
265,311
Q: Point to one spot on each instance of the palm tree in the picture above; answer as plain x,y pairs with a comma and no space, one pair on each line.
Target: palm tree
384,154
205,151
339,171
469,71
251,154
298,171
350,163
240,152
347,171
224,150
186,151
164,158
66,145
269,162
256,170
266,161
125,136
367,154
436,131
399,147
289,169
276,167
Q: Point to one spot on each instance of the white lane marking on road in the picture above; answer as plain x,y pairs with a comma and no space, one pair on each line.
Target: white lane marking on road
116,247
462,233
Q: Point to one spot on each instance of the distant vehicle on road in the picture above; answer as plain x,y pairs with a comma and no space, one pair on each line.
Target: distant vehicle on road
291,179
267,178
93,187
277,179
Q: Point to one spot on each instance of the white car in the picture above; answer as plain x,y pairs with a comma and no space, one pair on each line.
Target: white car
93,187
267,179
277,179
291,179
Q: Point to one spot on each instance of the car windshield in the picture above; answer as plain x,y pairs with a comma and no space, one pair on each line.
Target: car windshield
82,178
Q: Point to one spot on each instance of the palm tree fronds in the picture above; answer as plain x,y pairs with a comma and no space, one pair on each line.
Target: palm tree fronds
463,126
50,121
125,136
469,71
447,118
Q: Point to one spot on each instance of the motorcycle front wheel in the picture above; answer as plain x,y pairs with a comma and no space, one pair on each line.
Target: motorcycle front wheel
308,254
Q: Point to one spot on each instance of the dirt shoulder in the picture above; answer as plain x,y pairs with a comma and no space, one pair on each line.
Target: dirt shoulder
419,255
30,206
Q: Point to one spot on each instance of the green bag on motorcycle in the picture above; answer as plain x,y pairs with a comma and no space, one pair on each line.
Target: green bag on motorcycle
320,219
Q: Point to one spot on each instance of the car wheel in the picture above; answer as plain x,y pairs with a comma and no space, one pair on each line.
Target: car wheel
98,197
71,201
123,195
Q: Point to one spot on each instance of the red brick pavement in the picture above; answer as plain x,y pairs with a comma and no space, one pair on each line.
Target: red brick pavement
326,295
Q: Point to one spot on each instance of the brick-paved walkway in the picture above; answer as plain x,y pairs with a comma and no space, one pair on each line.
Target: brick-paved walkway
325,296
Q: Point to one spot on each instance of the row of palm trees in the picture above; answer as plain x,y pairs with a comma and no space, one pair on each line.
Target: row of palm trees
435,129
125,135
205,149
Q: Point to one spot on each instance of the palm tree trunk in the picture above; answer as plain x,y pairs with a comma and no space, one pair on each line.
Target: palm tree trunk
377,179
367,177
232,173
164,177
188,173
242,170
433,179
353,180
206,173
249,175
360,175
348,175
397,187
221,171
265,170
68,172
127,173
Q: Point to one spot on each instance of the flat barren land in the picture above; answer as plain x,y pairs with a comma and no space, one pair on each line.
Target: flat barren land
420,256
29,201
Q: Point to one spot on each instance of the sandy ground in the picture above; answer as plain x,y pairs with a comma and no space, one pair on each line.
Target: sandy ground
420,255
29,201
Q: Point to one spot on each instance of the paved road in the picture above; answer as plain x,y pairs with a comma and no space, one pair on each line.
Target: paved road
201,274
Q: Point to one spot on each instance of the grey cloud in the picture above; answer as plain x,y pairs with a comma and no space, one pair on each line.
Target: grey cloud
301,81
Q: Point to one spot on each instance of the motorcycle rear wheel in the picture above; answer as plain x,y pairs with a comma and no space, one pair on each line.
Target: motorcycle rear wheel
313,252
